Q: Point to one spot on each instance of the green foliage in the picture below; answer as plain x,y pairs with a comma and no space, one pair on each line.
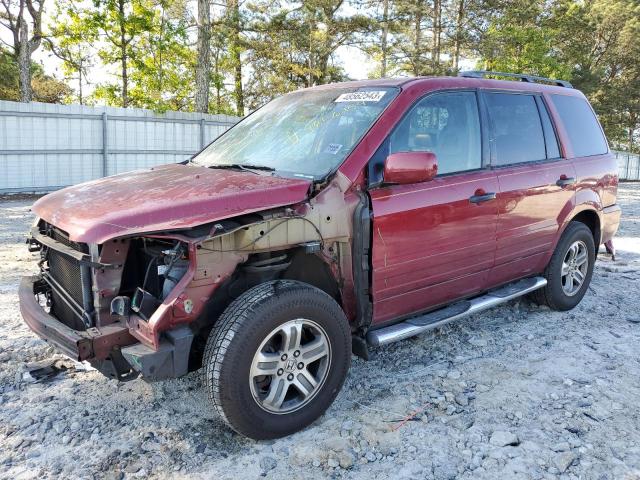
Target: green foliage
45,88
294,44
162,61
8,77
593,43
522,38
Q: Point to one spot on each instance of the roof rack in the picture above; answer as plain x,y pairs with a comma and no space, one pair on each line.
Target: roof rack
523,77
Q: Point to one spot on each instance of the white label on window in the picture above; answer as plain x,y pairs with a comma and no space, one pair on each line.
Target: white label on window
361,97
333,148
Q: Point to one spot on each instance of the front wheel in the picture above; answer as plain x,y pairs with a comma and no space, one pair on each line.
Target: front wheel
277,358
570,269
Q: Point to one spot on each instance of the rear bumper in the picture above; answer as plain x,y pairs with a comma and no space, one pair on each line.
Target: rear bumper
610,222
92,344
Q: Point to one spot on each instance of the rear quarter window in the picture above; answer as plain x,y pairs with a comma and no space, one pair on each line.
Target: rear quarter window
581,126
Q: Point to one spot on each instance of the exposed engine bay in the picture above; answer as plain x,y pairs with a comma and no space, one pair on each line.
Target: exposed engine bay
152,270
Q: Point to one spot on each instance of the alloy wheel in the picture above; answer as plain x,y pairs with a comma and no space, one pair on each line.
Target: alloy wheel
290,366
574,268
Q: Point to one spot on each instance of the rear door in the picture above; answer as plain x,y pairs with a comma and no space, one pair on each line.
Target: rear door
434,241
536,185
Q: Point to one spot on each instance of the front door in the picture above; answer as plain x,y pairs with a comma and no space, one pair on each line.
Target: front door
435,241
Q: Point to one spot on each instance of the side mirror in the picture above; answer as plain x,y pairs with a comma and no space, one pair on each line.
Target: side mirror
410,167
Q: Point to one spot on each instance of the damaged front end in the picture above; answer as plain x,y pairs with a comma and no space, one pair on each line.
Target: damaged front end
145,304
87,297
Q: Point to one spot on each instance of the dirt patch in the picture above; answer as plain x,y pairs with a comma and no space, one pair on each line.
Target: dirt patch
516,392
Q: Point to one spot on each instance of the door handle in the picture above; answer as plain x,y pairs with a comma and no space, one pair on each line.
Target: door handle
485,197
565,181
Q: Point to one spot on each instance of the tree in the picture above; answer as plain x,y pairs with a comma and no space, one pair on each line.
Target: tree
592,43
378,44
45,88
14,17
64,40
203,64
234,29
520,38
119,24
145,42
384,41
609,72
293,45
161,60
412,51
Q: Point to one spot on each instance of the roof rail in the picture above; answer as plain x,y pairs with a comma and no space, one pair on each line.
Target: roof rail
521,76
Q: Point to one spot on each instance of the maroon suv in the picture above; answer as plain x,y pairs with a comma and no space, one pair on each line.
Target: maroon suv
331,220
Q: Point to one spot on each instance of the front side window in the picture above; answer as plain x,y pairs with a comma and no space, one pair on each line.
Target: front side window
581,125
307,133
517,130
446,124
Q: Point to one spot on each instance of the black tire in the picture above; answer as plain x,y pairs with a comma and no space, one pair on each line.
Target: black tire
240,333
553,294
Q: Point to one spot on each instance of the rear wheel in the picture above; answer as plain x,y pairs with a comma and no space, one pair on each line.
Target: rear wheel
570,269
277,358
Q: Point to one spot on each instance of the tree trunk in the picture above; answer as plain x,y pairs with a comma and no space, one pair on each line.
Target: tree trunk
123,55
458,38
417,45
203,67
80,97
218,86
234,17
385,33
437,20
24,63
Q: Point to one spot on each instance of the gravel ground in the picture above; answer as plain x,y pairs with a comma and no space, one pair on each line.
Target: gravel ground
516,392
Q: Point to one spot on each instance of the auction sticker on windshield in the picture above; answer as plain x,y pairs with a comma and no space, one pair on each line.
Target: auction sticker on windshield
333,148
374,96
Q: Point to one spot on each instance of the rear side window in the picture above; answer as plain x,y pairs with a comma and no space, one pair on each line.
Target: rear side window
581,125
517,129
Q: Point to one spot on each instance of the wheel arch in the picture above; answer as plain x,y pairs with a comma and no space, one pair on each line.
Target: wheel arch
591,219
309,267
587,214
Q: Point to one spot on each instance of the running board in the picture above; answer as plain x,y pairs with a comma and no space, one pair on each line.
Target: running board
437,318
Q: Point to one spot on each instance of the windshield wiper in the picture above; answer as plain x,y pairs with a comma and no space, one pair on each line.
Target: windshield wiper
247,167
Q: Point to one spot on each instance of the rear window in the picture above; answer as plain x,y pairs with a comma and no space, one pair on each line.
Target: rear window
581,125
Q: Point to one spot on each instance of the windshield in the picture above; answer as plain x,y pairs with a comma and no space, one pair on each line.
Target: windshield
307,133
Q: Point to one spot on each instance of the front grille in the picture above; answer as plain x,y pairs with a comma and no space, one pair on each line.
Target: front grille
66,274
